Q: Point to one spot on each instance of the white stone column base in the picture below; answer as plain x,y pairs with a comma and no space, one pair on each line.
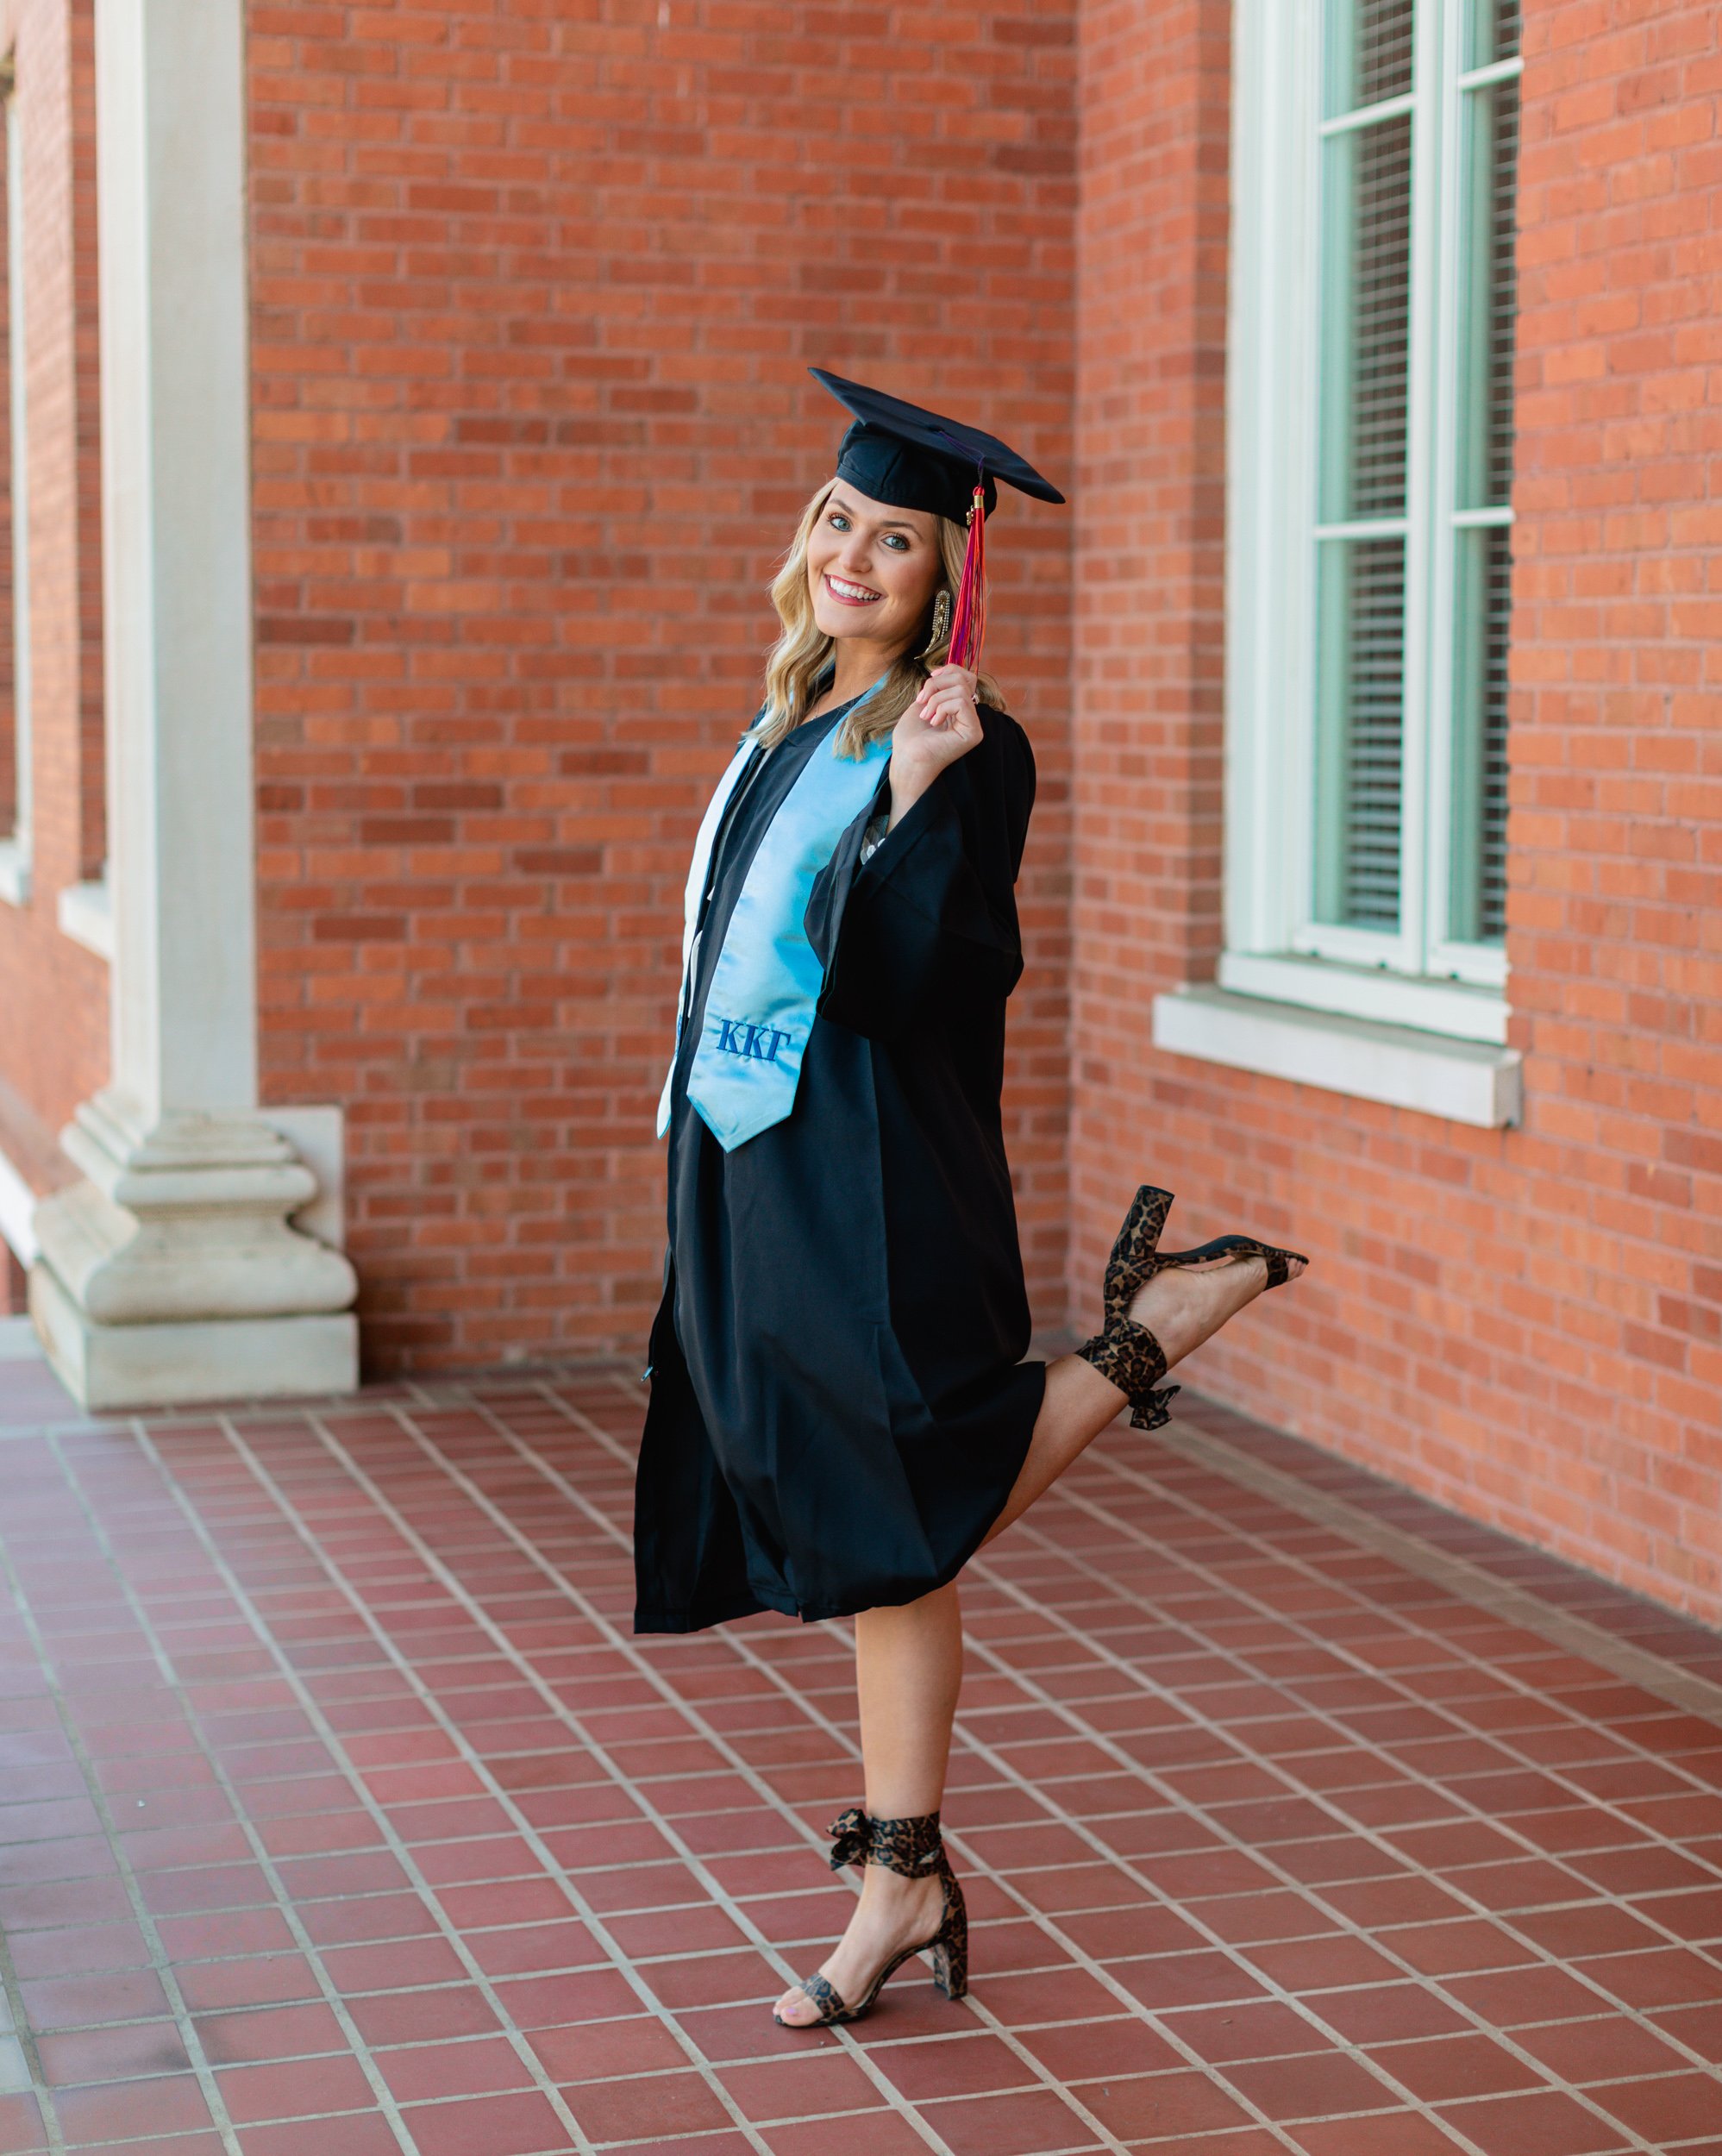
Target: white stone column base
114,1367
171,1272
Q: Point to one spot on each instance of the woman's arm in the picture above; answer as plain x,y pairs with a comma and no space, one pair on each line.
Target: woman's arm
926,927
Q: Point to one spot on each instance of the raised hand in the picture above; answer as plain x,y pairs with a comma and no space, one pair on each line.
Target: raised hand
941,725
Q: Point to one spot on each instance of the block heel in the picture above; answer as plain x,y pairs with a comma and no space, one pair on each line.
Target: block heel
914,1848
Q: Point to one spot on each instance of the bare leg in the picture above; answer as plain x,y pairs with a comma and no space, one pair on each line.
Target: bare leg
908,1672
1182,1306
909,1659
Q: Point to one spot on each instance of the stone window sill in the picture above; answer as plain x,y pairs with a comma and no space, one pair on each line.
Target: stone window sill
86,915
15,873
1465,1081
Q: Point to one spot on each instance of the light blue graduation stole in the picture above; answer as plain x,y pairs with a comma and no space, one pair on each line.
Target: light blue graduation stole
759,1010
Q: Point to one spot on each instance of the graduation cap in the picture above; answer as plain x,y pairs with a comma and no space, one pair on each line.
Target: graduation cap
912,459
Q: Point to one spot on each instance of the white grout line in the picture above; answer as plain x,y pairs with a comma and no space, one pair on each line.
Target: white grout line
1044,1612
743,1766
1379,1940
1024,1598
1073,1952
1470,1581
476,1761
967,1739
160,1961
285,1900
1451,1789
392,1837
1500,1672
21,2038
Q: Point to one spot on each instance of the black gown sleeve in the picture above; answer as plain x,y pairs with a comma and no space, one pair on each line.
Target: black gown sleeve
927,926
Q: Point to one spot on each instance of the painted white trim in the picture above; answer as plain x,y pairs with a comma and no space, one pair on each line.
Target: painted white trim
86,915
15,873
1463,1081
1272,530
1369,115
1389,998
176,553
1270,480
17,1213
1492,72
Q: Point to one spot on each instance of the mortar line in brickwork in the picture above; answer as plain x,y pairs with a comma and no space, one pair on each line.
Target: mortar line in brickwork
740,1646
378,1812
1470,1582
160,1962
739,1762
1046,1612
627,1966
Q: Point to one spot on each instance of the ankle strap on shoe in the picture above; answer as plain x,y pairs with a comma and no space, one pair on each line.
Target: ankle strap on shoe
913,1847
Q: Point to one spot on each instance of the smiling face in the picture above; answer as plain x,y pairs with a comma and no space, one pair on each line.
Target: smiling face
873,570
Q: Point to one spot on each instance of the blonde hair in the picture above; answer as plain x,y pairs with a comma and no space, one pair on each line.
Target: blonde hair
803,651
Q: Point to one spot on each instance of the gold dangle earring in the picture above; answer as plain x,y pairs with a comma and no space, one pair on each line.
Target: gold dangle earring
941,622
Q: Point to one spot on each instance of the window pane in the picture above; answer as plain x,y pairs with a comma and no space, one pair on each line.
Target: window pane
1489,210
1368,52
1482,596
1360,671
1493,32
1365,320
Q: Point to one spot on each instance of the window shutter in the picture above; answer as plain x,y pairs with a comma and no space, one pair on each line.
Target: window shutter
1482,579
1364,357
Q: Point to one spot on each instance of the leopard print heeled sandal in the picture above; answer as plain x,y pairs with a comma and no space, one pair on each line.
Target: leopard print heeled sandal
915,1849
1127,1354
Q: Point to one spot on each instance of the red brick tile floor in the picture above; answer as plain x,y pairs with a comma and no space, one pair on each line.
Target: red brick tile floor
341,1813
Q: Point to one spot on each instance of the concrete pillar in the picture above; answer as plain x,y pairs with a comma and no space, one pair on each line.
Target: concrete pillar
171,1272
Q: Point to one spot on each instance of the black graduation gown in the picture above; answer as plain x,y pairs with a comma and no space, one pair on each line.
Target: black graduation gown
839,1408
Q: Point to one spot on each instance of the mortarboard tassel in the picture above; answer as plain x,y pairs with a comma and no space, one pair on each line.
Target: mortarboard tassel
968,616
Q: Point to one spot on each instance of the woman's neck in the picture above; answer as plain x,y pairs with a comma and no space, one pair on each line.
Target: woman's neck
856,663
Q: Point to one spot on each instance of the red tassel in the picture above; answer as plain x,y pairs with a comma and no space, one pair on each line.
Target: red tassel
968,618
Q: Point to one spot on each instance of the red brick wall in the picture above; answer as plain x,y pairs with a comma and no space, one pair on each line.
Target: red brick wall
92,776
535,292
54,1040
9,712
1527,1323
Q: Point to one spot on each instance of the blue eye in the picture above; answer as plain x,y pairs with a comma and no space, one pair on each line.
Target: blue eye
896,540
839,522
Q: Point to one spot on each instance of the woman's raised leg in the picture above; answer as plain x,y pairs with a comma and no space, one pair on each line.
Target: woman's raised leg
1181,1307
909,1659
908,1672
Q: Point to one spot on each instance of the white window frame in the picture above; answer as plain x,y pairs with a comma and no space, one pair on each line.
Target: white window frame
1274,947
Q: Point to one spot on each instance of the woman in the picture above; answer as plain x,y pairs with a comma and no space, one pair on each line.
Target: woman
840,1413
